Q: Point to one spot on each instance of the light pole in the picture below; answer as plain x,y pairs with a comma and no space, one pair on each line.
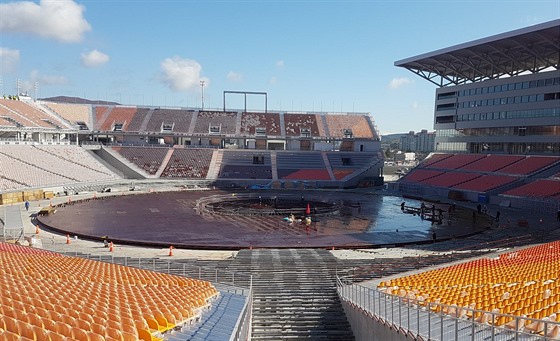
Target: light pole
202,87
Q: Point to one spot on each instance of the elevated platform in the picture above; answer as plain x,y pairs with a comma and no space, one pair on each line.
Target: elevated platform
361,220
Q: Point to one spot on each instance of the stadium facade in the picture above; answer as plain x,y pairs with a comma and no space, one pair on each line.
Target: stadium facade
222,147
499,94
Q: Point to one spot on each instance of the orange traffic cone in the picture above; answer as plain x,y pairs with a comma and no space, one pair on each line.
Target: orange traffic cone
67,239
170,251
37,230
111,247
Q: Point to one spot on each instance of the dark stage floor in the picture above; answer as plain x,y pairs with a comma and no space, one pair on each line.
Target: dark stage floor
173,218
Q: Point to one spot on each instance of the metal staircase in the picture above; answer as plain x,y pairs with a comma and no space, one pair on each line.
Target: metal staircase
294,294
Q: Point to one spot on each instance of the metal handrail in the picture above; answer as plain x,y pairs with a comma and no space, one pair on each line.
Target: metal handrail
428,320
231,282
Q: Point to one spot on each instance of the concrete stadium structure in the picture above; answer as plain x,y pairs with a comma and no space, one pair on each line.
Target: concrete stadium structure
498,94
497,104
275,294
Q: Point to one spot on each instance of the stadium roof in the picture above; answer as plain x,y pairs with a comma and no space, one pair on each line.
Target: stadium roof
527,50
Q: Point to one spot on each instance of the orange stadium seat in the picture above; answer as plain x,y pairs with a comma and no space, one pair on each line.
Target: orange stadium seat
520,283
155,301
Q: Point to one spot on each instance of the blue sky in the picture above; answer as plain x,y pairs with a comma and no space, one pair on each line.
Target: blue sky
307,55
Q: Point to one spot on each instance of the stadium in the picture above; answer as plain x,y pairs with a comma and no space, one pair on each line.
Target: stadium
157,223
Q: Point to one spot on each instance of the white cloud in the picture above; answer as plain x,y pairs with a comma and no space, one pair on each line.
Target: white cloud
8,60
182,74
61,20
280,63
94,58
399,82
415,105
273,80
234,76
36,76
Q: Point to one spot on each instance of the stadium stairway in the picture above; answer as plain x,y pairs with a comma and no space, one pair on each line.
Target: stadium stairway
144,123
215,164
328,165
217,323
294,294
164,162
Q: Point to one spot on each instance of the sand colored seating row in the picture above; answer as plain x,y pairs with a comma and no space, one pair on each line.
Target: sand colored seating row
17,171
132,119
51,297
358,124
28,115
521,283
71,112
52,165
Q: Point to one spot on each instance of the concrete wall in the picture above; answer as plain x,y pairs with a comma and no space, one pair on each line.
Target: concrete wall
116,163
368,328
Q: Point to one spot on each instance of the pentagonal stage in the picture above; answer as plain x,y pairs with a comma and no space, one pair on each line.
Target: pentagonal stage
262,219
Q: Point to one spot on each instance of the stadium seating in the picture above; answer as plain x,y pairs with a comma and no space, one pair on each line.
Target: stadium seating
269,121
225,121
28,115
245,172
138,119
188,163
456,161
118,116
530,164
147,158
71,112
242,165
48,296
179,119
301,166
492,163
486,183
541,188
450,179
516,283
100,114
419,175
346,163
358,124
294,123
36,166
432,159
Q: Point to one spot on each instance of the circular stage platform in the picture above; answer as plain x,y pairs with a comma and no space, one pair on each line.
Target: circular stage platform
220,219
